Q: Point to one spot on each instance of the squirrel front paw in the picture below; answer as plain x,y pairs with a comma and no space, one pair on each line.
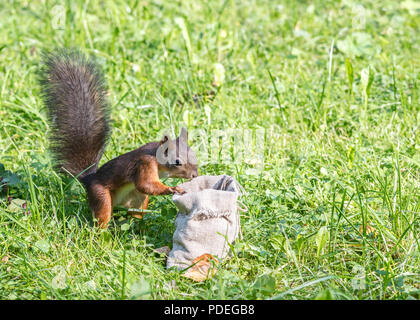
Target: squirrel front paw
177,190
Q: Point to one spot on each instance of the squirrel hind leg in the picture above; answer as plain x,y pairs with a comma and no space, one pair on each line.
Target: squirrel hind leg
100,203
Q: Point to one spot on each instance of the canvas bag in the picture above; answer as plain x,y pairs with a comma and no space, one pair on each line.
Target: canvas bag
207,220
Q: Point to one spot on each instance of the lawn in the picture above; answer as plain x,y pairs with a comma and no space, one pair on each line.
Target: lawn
312,106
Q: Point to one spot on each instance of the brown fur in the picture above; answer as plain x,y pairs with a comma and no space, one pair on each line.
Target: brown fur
74,95
140,168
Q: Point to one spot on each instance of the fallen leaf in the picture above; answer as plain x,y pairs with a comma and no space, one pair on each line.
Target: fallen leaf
202,269
163,250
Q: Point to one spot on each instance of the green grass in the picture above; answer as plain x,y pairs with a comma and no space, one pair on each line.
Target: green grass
334,208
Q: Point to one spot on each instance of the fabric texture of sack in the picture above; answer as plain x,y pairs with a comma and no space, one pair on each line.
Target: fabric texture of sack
207,221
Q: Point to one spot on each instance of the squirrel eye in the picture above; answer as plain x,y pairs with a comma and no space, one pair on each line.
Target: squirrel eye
177,162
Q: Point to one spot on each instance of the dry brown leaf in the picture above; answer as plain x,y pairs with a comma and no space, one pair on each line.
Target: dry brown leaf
203,268
163,250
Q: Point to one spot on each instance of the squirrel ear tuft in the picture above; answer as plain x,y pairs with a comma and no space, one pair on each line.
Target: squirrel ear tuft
165,138
184,134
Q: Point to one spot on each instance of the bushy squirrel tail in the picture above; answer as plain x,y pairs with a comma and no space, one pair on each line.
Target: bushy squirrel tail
74,93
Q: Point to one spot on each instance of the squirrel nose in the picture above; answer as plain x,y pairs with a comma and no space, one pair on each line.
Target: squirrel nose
194,175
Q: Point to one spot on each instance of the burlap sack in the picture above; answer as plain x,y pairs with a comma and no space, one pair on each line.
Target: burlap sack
207,221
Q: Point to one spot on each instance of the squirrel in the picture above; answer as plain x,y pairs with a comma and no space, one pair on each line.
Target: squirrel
74,94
